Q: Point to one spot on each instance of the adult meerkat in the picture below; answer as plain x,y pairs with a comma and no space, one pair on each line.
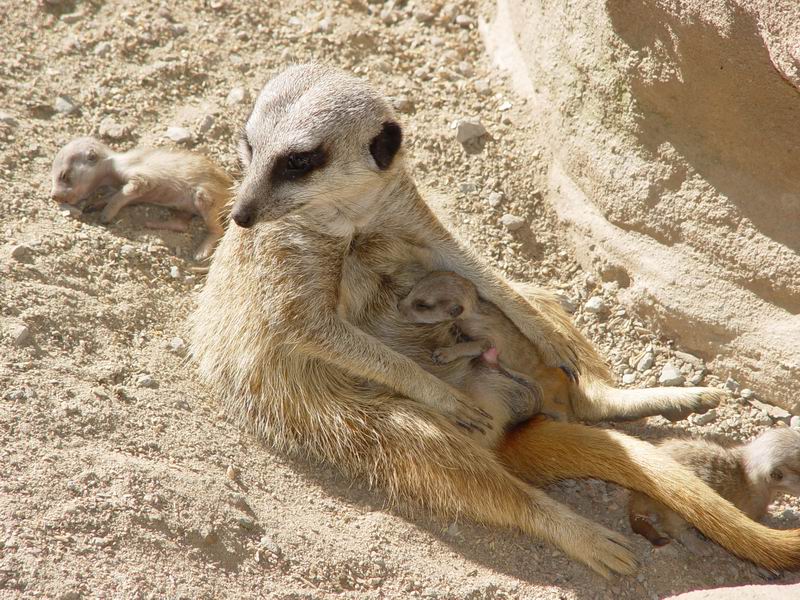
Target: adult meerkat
187,182
444,297
749,475
297,328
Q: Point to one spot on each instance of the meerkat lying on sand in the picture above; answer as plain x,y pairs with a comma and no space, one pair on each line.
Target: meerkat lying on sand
749,475
187,182
298,331
447,297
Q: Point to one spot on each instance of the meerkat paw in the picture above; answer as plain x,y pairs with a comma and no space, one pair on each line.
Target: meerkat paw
560,357
442,356
606,552
695,400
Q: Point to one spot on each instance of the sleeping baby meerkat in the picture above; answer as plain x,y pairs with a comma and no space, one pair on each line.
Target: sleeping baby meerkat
184,181
488,333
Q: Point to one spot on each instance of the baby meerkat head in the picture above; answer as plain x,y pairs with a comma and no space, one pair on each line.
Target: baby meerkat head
318,141
76,169
439,296
775,456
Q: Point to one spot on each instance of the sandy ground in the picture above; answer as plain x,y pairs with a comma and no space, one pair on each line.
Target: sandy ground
120,477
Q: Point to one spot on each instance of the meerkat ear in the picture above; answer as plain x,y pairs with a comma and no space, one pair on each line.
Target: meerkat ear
455,310
385,145
776,474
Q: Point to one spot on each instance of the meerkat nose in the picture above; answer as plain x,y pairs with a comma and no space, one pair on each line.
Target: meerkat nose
243,218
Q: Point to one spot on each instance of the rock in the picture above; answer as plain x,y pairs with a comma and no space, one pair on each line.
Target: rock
100,393
670,375
494,199
403,104
794,422
8,120
20,335
146,380
505,106
465,69
177,345
22,253
775,412
268,543
595,305
646,362
126,249
764,420
232,473
325,25
482,87
68,210
65,105
705,418
102,48
237,95
471,134
629,378
179,135
178,29
465,21
689,358
205,124
746,393
423,16
512,222
731,384
112,130
174,272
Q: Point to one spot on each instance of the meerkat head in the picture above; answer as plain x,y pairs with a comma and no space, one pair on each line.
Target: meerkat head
438,297
318,141
77,169
774,457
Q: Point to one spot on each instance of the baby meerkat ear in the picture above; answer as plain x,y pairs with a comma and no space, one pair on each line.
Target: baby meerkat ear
455,310
385,145
776,474
91,155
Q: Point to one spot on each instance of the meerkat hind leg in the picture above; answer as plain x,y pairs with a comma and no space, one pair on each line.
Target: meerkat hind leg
179,222
448,354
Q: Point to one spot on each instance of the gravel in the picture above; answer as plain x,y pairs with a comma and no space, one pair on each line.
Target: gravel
670,375
179,135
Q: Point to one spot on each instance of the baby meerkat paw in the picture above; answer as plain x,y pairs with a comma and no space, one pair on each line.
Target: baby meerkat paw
442,356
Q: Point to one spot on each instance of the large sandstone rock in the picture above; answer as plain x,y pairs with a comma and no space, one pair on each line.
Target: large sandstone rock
675,136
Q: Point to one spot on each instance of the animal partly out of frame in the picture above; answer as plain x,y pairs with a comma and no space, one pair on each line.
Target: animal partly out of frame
298,331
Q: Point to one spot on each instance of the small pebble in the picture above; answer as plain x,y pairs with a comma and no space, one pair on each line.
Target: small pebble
100,393
8,120
468,130
177,345
20,335
146,380
670,375
403,104
628,378
232,473
705,418
68,210
110,129
504,106
731,384
494,199
22,253
205,124
179,135
237,95
325,25
464,21
482,87
512,222
746,393
102,49
595,305
65,105
794,422
126,249
174,272
646,362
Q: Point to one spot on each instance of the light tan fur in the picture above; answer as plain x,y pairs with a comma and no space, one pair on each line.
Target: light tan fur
749,475
184,181
297,329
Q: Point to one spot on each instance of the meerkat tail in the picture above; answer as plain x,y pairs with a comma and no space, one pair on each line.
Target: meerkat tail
543,451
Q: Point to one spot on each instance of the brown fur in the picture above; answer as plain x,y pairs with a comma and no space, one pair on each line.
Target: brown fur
184,181
297,329
750,476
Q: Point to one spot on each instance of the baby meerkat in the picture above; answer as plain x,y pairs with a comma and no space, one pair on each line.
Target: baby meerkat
750,476
489,334
187,182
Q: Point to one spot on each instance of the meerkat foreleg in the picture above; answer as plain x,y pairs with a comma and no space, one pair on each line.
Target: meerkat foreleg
555,349
339,342
132,191
206,208
448,354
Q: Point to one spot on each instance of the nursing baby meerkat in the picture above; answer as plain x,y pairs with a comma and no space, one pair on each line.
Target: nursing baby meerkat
184,181
749,475
298,331
447,297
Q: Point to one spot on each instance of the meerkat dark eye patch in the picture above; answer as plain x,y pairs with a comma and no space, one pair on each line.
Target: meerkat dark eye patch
385,145
295,165
64,176
420,305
